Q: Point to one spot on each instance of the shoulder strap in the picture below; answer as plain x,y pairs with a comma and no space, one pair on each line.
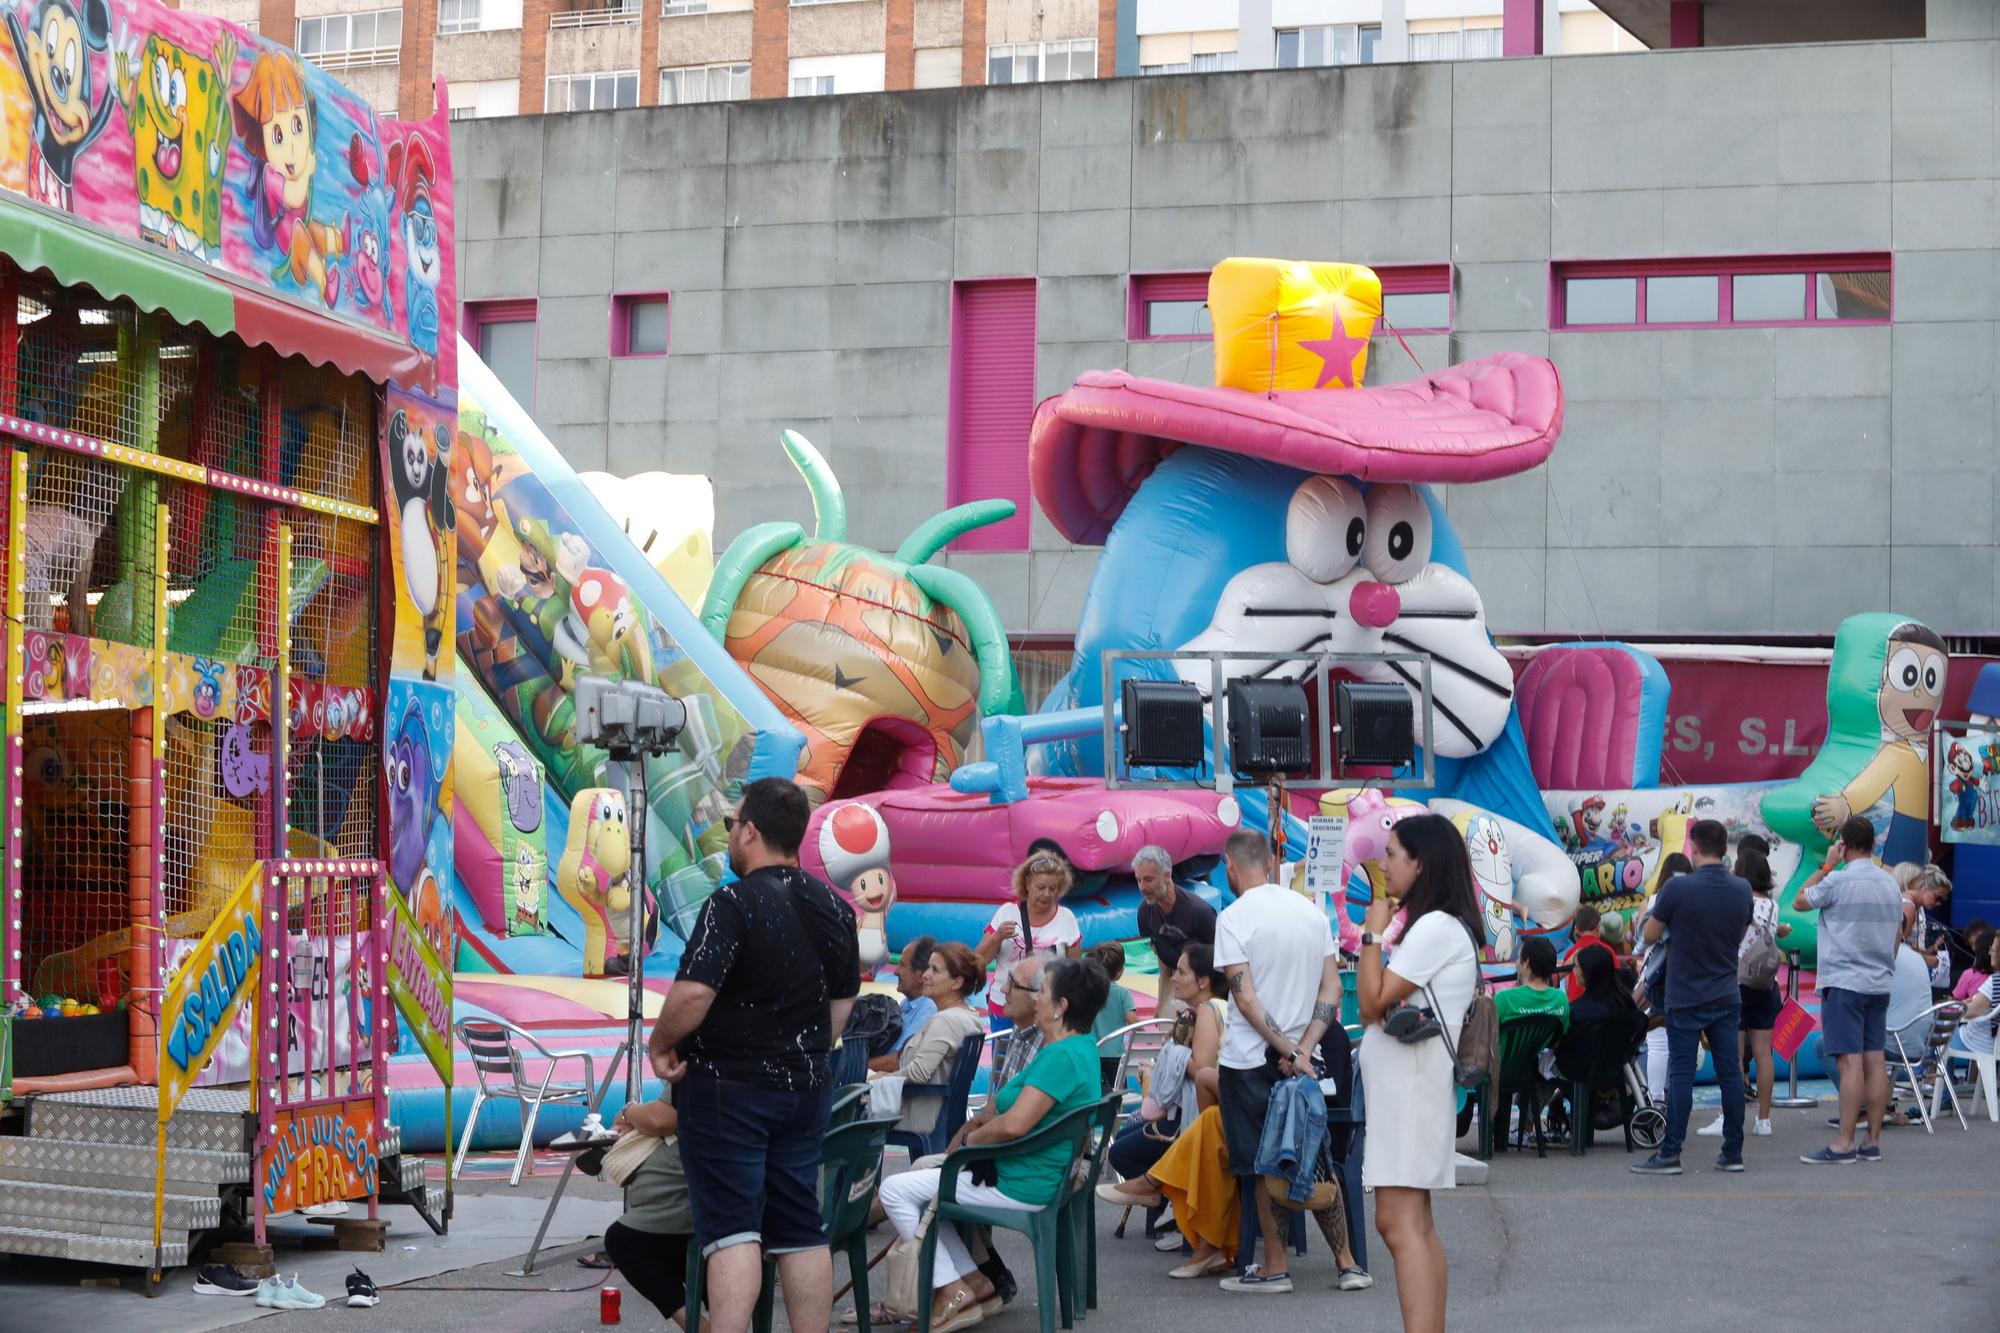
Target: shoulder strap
1027,931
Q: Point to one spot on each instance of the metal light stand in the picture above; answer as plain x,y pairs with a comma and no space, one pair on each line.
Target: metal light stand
1791,1101
654,721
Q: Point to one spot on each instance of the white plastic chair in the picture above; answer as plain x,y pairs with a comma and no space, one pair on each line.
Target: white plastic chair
1908,1068
500,1066
1987,1076
1143,1043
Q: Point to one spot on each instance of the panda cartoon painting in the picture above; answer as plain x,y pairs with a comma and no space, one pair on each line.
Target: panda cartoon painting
421,470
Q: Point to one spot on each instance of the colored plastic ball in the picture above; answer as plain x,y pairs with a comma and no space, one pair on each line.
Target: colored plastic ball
51,1001
32,1011
88,1010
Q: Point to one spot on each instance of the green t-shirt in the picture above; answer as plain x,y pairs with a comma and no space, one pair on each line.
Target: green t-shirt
1066,1072
1109,1019
1525,999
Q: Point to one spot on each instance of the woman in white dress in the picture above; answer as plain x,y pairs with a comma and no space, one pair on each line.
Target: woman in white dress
1412,1106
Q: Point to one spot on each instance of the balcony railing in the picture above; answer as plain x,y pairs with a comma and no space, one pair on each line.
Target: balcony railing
609,16
361,59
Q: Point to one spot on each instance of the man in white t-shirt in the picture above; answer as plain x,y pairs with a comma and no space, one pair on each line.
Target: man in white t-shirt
1278,951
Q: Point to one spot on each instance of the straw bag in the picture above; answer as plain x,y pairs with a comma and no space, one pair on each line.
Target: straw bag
626,1156
899,1295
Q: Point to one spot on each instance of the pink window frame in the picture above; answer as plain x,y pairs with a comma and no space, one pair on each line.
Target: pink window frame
476,315
1721,269
1016,533
1397,280
621,323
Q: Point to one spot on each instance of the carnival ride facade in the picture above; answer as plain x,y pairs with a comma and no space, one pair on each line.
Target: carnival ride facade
226,395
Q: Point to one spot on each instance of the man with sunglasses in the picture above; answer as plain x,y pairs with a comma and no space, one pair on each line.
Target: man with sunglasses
769,975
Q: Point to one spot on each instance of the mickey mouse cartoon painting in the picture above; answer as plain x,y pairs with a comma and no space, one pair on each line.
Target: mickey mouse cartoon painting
56,58
423,497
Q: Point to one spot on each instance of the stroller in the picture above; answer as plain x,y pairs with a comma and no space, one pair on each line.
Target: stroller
1572,1064
1649,1121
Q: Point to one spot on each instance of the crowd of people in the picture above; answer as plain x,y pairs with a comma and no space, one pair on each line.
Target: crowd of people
1230,1130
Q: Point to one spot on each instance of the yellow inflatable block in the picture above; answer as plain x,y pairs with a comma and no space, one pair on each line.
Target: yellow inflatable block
1291,323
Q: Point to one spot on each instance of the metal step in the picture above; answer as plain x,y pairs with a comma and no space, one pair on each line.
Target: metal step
391,1144
208,1119
126,1251
103,1211
411,1171
118,1166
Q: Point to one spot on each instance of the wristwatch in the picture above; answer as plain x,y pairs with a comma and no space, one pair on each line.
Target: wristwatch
1369,937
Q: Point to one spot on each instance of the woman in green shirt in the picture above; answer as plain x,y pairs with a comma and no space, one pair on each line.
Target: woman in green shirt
1062,1077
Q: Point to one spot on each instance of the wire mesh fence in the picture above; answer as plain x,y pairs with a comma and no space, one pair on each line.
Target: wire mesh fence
329,437
222,580
75,872
102,368
211,790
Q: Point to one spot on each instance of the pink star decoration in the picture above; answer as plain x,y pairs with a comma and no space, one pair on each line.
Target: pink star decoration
1337,350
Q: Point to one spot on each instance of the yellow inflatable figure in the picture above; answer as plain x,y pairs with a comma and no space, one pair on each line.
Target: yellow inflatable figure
1292,324
595,877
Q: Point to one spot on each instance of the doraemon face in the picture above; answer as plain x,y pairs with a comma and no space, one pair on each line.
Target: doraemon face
1358,577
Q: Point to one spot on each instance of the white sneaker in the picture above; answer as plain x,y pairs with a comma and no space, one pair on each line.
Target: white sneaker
1762,1129
1711,1131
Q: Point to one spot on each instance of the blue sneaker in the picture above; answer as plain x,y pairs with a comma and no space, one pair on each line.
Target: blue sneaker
1867,1153
1726,1162
1828,1157
1659,1164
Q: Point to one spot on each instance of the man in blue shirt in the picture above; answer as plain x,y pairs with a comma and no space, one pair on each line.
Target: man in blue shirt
917,1007
1708,909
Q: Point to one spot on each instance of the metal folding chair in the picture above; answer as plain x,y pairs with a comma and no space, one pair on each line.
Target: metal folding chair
1144,1040
500,1065
1909,1068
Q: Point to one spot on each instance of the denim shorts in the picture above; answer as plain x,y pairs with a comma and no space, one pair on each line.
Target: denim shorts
1853,1023
1245,1098
751,1155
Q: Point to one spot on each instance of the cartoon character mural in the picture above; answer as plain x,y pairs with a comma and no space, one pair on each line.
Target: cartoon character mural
71,96
854,848
177,108
413,175
595,877
278,122
1962,781
413,798
884,662
421,478
1908,696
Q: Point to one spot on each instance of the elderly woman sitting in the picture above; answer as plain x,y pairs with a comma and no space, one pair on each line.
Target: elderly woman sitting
1063,1077
952,976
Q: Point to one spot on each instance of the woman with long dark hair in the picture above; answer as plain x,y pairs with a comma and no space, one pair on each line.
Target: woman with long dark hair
1405,1066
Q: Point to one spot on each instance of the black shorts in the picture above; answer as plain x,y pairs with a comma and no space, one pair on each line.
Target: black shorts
1760,1008
1244,1096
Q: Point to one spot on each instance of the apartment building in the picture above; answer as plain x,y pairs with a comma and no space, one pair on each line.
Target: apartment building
521,57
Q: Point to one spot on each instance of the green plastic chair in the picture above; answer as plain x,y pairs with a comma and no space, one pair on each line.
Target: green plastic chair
850,1170
1522,1040
1080,1219
1055,1275
848,1103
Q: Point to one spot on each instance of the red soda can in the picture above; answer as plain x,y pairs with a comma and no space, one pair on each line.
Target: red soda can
607,1305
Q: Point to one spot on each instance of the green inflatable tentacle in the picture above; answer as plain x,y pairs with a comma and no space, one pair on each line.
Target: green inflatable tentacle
829,505
997,687
745,556
936,532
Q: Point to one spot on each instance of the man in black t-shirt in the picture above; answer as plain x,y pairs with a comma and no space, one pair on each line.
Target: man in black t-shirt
1171,917
768,977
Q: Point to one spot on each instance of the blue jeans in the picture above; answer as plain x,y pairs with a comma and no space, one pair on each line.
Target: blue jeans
1685,1028
751,1155
1133,1153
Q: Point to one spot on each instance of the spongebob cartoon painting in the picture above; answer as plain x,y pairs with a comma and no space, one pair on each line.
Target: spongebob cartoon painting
177,107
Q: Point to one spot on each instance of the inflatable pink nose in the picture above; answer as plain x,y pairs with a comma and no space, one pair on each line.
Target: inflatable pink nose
1375,605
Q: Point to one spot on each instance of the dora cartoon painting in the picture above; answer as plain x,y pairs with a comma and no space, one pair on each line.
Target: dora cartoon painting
1908,700
278,124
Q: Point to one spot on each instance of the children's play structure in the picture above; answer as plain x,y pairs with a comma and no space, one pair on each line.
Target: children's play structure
227,359
299,599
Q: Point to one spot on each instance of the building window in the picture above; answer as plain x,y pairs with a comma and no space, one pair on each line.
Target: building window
639,324
1169,307
812,85
592,92
345,41
1214,62
1180,67
503,333
596,16
704,83
992,404
484,99
1042,62
458,16
1701,293
674,8
1451,39
1329,44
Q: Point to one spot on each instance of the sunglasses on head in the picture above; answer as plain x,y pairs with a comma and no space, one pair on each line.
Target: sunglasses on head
1044,863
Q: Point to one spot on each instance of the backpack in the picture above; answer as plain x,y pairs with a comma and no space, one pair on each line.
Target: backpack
1475,1055
1757,969
876,1020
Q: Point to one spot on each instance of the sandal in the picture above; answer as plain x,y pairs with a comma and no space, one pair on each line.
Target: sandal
961,1311
877,1315
596,1259
1116,1196
1208,1267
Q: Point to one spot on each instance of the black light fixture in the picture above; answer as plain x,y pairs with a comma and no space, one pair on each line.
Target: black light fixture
1270,730
1163,723
1377,724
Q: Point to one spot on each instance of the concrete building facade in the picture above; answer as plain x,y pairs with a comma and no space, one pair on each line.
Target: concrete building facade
1752,468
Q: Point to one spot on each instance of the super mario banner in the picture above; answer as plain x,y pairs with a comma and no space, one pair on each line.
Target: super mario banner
232,152
1968,778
